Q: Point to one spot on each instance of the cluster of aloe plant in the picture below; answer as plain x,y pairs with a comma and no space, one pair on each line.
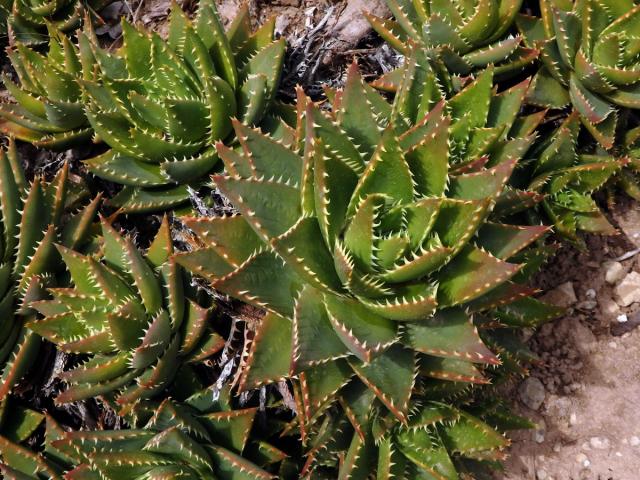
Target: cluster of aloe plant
159,105
390,244
383,244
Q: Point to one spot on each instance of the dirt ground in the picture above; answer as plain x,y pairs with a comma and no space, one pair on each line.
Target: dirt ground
589,420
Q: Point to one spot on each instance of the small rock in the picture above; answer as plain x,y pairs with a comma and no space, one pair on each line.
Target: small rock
573,419
532,393
541,475
619,328
540,432
628,290
599,443
608,306
563,295
613,272
557,447
629,222
581,458
613,345
590,294
622,318
634,441
583,337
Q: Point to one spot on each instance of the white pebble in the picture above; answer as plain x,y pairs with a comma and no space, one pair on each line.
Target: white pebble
600,443
591,293
618,454
541,475
622,318
613,345
634,441
573,419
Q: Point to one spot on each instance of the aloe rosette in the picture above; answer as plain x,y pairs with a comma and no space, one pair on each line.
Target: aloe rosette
161,105
197,439
35,216
48,110
373,239
135,314
589,52
468,35
568,178
29,19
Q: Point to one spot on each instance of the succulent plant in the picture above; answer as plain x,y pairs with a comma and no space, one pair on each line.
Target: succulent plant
467,35
629,177
568,178
372,240
439,440
17,423
161,106
34,217
29,19
589,53
136,315
49,109
197,439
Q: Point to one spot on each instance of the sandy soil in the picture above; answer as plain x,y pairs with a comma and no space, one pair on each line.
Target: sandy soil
589,422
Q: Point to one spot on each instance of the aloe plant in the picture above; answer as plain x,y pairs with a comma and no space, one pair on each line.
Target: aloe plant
34,217
629,176
378,231
17,423
161,106
137,316
589,54
196,439
49,108
438,440
468,35
568,178
29,19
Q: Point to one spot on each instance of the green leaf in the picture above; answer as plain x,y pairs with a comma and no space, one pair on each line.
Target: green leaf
391,376
310,259
270,355
450,333
271,207
364,333
471,274
426,451
310,323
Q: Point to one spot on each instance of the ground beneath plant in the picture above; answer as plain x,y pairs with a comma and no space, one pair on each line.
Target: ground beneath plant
587,385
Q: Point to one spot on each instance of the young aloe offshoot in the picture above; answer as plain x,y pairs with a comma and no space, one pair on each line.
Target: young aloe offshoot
161,105
137,316
467,36
34,217
589,59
